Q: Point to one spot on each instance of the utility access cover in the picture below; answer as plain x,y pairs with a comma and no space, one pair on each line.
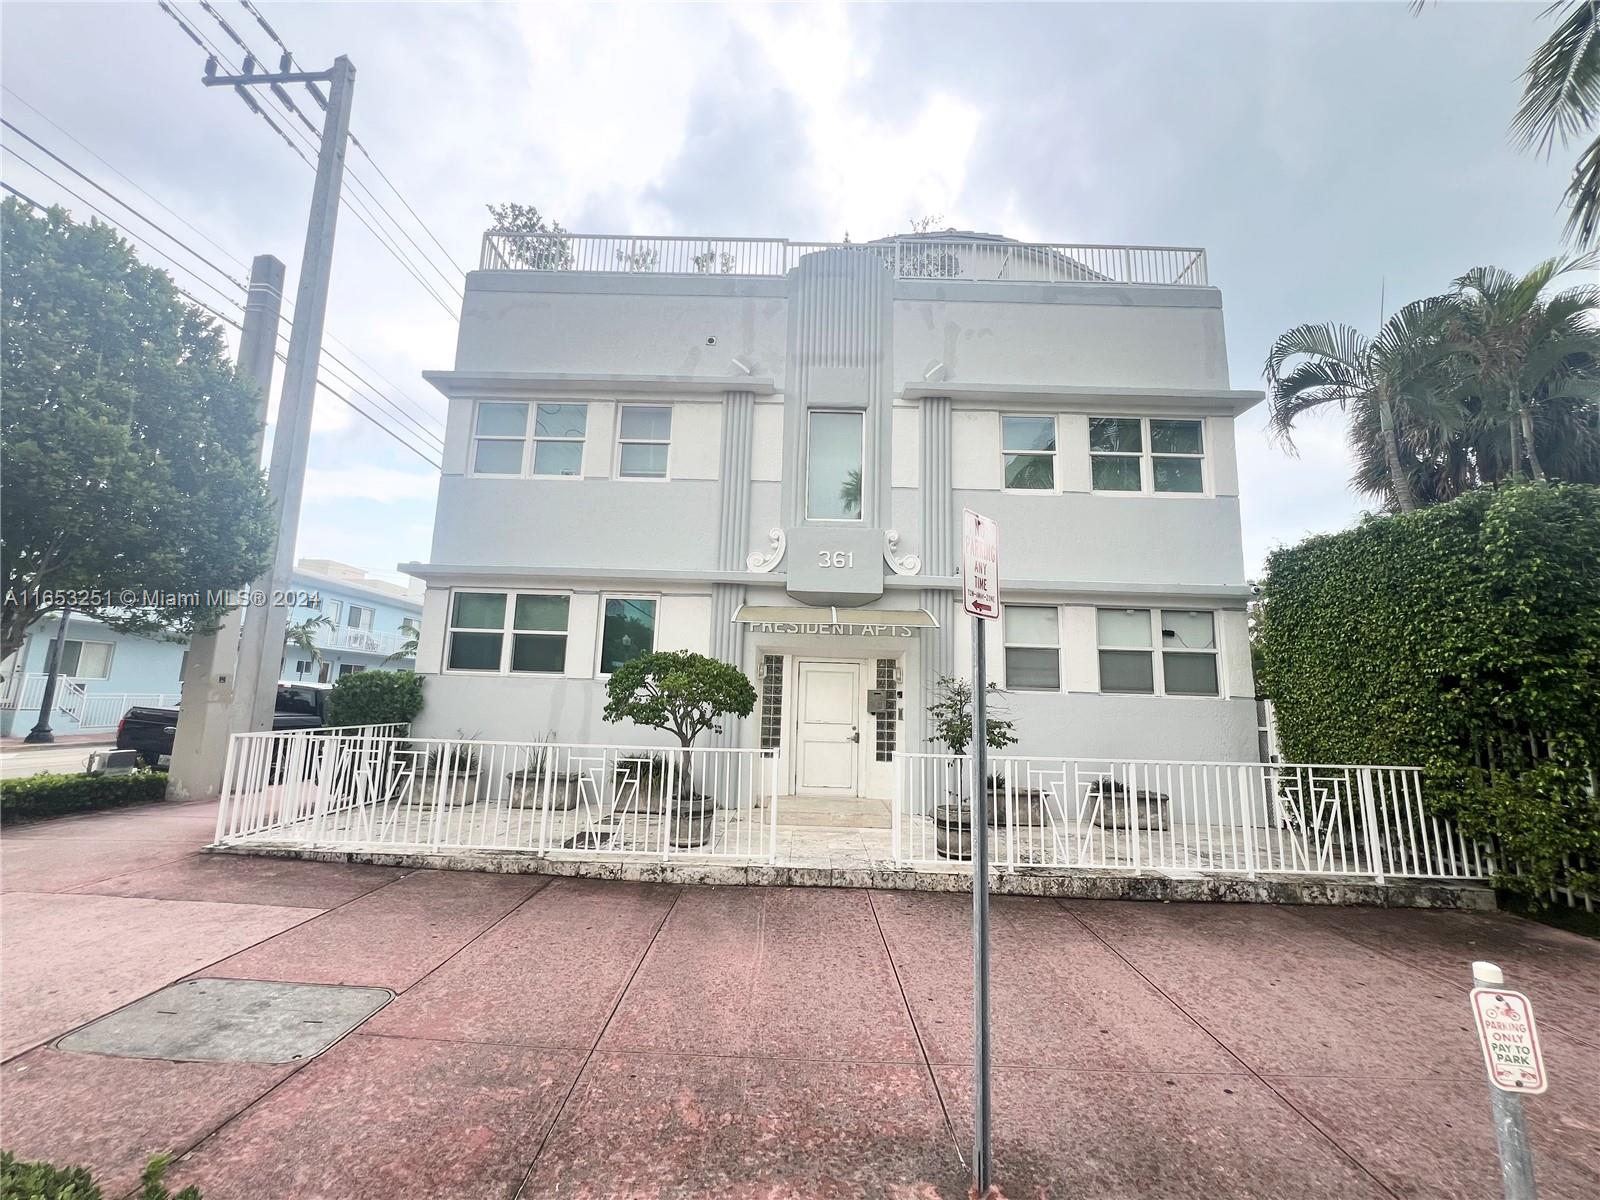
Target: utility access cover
230,1020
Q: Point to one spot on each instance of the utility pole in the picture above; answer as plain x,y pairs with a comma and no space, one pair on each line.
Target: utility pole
261,647
205,718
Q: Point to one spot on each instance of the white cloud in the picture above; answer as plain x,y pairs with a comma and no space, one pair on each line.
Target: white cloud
363,481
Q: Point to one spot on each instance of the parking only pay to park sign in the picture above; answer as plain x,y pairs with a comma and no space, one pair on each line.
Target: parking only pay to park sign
1510,1040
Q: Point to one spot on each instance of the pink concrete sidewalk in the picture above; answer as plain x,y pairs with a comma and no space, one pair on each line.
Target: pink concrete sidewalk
583,1038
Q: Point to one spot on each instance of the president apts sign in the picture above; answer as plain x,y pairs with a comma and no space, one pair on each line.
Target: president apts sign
835,628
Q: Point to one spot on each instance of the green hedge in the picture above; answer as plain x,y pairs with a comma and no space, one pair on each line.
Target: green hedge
59,795
1447,637
375,698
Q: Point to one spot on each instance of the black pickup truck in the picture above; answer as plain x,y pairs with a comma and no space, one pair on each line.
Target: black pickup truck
150,730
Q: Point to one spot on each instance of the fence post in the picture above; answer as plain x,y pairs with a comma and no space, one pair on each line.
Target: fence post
1369,821
900,765
1130,794
772,801
1246,804
224,802
329,742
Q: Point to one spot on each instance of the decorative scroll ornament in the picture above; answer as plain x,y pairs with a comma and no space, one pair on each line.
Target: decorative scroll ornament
757,561
909,564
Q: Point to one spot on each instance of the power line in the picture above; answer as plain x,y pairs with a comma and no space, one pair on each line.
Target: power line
155,250
400,412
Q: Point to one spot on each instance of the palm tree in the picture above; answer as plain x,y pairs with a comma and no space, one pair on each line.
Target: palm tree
1560,100
302,635
1527,351
408,648
1399,377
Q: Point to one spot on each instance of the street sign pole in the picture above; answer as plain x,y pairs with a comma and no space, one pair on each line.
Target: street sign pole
1516,1068
980,574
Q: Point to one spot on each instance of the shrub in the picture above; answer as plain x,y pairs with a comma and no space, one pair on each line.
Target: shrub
41,1181
951,714
375,698
1463,637
58,795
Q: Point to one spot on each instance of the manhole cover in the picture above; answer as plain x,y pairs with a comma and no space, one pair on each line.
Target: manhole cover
230,1020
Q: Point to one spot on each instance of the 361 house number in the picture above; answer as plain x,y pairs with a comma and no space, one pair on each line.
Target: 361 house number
836,558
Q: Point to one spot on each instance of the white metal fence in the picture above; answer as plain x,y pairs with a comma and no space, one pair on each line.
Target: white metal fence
1246,818
91,710
934,257
375,788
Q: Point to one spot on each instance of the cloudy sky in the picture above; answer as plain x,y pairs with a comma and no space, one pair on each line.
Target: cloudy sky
1322,153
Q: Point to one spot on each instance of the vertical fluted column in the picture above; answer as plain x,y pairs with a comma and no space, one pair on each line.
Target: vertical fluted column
939,557
733,535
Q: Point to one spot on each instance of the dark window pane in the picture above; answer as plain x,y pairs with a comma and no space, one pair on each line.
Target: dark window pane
1027,433
558,458
477,610
646,423
561,420
1115,474
495,457
1115,433
630,630
541,612
1031,472
1033,670
541,652
1175,437
1178,474
474,652
1126,671
1190,674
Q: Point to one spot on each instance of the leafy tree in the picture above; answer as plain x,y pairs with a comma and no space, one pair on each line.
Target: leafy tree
542,246
130,448
1560,102
678,691
1525,349
951,713
1398,375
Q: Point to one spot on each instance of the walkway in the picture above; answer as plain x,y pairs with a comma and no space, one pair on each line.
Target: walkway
586,1038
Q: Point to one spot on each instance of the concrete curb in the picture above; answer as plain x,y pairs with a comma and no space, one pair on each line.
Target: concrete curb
1082,884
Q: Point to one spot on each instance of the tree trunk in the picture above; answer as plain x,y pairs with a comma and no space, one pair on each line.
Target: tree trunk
1399,481
1516,448
1526,418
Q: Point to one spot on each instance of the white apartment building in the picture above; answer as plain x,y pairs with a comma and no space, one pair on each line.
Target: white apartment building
760,450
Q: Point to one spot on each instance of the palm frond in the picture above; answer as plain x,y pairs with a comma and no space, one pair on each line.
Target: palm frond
1340,343
1583,197
1561,90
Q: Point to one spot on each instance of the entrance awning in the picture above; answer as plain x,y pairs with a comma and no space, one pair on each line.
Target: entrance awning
779,614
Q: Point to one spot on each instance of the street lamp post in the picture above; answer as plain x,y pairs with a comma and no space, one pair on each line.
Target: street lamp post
41,732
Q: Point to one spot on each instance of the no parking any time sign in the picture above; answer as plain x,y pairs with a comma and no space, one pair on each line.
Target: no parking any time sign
1510,1040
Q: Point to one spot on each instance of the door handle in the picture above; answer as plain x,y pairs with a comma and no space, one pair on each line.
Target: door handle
855,734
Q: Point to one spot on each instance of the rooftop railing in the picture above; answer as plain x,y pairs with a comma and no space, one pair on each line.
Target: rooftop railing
942,257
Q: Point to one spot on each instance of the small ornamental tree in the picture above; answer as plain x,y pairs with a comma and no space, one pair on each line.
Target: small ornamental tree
680,692
951,712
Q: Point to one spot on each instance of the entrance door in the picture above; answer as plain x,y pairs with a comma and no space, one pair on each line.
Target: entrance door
829,738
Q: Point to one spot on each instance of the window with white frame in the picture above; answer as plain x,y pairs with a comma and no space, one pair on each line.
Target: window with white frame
644,435
86,660
1033,647
500,438
359,616
1028,449
1147,454
1132,639
523,633
333,610
834,474
628,630
558,433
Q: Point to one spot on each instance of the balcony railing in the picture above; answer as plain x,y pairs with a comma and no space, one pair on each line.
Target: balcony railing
363,641
941,257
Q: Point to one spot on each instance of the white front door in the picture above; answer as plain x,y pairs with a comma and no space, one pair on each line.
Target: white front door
829,738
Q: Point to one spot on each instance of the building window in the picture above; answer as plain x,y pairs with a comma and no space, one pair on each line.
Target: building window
86,660
833,466
302,667
358,616
534,644
770,735
887,739
1116,446
629,630
350,669
1146,454
644,434
1128,650
500,439
333,610
1033,648
558,431
1029,448
1189,653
